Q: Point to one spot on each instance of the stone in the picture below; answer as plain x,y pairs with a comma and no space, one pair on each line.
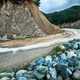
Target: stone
78,66
6,74
62,59
5,78
69,71
76,74
68,45
68,78
22,78
78,56
79,44
56,59
38,75
48,61
42,69
40,72
63,62
75,46
40,61
13,78
11,37
54,63
71,53
62,70
63,56
32,66
59,78
52,74
62,47
4,37
30,74
21,73
73,61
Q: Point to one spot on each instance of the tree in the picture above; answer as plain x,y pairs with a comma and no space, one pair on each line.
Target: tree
37,2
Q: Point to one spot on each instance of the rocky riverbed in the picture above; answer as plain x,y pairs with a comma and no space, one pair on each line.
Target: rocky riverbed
62,64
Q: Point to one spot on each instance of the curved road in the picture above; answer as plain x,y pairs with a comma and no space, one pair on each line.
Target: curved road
48,41
11,57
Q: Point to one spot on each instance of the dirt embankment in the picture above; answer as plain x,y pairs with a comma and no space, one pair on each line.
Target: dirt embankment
24,20
42,21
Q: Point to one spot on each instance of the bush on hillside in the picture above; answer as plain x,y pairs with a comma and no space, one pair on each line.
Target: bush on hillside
36,2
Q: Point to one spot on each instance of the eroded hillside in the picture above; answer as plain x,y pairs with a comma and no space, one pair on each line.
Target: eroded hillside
24,19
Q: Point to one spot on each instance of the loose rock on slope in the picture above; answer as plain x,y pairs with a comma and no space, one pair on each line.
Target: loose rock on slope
16,19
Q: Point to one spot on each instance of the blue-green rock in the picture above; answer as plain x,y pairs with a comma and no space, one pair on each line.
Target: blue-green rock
22,78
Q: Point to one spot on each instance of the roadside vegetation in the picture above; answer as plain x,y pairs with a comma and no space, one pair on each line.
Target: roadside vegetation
23,37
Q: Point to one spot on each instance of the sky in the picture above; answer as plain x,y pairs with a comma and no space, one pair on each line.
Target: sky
49,6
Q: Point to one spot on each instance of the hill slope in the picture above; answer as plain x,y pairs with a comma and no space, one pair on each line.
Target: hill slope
25,19
68,15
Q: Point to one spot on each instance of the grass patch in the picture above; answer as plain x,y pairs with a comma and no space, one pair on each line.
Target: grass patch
23,37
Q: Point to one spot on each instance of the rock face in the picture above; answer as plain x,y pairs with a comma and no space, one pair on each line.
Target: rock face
16,19
75,25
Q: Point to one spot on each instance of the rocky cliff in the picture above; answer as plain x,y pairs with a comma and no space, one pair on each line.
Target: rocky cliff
16,19
24,19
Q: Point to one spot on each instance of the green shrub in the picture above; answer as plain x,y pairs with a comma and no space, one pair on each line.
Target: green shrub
36,2
57,49
23,37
